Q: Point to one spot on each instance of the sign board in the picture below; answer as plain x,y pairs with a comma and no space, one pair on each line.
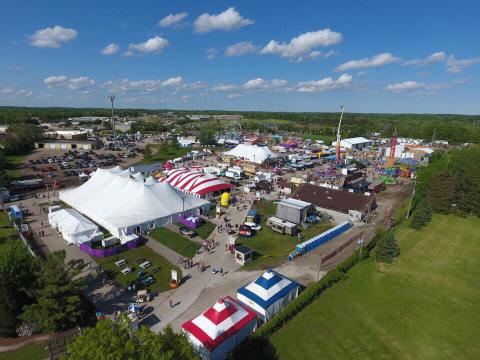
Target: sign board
174,276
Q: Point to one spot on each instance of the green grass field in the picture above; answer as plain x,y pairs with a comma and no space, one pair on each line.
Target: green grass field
30,352
271,248
423,306
162,277
205,229
7,231
175,241
165,153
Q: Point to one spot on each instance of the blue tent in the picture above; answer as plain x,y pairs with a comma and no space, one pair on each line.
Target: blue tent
269,294
410,161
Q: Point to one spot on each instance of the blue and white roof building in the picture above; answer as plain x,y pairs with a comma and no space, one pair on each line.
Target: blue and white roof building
269,294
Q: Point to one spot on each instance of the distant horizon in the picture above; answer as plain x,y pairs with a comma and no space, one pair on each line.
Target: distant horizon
227,110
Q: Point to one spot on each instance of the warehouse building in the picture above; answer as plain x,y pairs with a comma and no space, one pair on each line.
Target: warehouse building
68,144
339,204
293,210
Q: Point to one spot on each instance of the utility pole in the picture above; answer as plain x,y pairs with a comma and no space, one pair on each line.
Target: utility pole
112,99
411,198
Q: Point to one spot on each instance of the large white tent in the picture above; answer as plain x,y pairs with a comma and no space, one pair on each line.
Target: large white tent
269,294
75,228
252,153
220,329
125,203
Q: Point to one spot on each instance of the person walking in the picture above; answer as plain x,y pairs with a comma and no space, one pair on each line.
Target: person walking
171,303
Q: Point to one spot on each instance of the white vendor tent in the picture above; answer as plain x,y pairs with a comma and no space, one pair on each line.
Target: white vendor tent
220,329
75,228
252,153
125,203
269,294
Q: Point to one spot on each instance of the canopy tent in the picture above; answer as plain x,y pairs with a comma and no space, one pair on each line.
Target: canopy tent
124,205
195,182
252,153
75,228
269,294
220,328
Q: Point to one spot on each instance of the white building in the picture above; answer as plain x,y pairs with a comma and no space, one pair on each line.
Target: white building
356,143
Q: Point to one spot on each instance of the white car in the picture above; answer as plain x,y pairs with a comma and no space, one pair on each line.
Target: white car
253,226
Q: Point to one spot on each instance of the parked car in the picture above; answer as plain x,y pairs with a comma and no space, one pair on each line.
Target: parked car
187,232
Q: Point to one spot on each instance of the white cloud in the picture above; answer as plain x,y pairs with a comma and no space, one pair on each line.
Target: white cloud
432,58
211,53
172,20
174,81
375,61
224,87
73,83
302,46
262,84
194,86
15,67
240,48
80,82
228,20
420,86
24,92
55,80
151,46
456,66
7,91
110,49
52,37
343,81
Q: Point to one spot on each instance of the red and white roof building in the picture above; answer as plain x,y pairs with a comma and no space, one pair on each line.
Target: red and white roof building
196,182
221,328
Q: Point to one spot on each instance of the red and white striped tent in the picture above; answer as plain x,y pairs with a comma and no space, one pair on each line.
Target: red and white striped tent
219,330
195,182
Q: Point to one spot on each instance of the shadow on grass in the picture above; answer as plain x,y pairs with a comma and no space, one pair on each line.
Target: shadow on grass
255,348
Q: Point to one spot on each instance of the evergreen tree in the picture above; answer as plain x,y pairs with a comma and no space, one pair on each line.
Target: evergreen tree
387,247
59,301
8,320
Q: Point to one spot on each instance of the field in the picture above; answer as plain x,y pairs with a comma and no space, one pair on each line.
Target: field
272,248
162,277
163,153
30,352
7,232
175,241
205,229
423,306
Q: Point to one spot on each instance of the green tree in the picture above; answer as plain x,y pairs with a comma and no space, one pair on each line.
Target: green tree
115,340
8,310
147,154
59,302
206,137
422,215
387,247
21,138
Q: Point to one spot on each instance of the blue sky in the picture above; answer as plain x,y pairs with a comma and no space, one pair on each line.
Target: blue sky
372,56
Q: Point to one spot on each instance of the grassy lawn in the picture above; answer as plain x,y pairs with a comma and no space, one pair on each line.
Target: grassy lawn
423,306
162,277
175,241
205,229
163,153
30,352
13,163
272,248
7,231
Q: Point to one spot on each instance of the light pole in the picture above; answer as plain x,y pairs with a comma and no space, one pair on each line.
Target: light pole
112,99
411,198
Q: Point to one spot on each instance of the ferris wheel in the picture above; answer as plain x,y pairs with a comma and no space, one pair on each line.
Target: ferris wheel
233,130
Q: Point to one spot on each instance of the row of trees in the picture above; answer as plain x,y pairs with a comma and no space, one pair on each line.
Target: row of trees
38,295
116,340
20,138
450,184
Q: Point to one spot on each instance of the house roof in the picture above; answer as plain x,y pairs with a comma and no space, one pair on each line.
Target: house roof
295,203
338,200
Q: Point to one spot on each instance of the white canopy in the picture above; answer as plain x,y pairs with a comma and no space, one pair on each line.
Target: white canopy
75,228
252,153
123,205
